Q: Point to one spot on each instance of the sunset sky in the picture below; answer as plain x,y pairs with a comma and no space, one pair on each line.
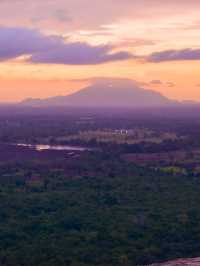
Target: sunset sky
55,47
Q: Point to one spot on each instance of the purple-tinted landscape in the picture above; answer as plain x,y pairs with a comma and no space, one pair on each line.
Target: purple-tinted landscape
99,133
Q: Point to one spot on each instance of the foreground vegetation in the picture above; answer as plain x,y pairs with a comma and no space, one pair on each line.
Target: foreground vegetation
107,213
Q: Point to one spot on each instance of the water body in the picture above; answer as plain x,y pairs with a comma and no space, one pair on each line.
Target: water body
43,147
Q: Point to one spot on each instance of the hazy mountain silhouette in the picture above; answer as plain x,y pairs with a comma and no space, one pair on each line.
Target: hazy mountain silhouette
109,93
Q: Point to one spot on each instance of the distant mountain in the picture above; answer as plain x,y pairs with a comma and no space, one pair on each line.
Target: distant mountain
106,95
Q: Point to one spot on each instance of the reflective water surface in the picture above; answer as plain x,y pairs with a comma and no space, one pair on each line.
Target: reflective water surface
42,147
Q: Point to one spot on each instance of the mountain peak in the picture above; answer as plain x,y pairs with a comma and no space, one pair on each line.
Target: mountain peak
107,93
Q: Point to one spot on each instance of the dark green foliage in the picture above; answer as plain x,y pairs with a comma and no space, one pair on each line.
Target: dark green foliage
106,212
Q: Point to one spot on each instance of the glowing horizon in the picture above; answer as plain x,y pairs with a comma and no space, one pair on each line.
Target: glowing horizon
56,48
